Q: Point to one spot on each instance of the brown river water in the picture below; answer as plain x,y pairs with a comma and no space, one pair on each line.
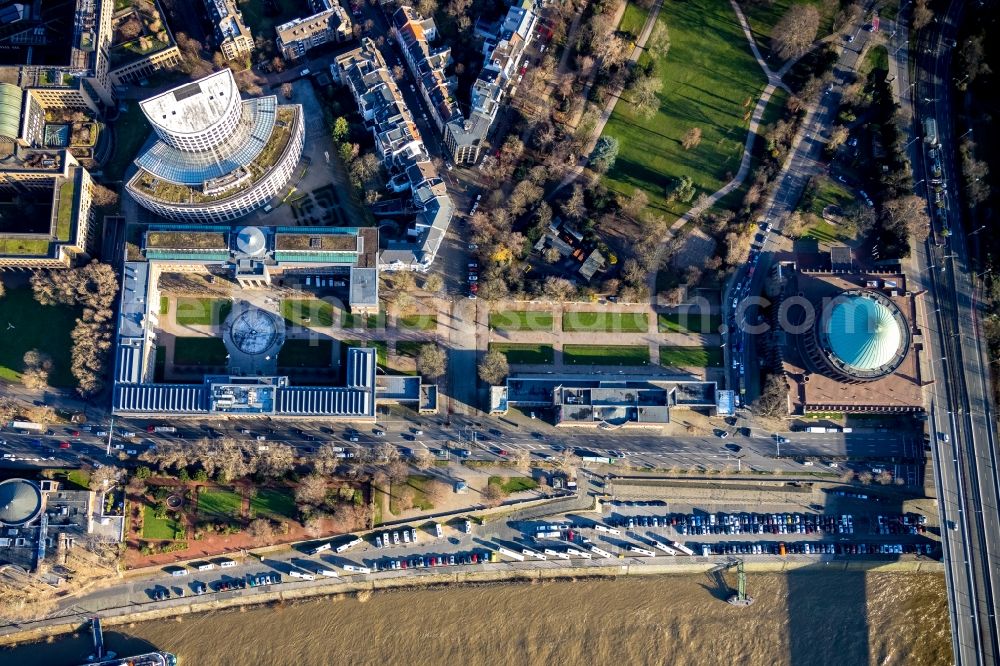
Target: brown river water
805,618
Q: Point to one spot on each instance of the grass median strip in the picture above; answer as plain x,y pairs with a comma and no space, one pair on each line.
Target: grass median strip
688,322
521,320
525,353
418,321
606,354
605,322
690,357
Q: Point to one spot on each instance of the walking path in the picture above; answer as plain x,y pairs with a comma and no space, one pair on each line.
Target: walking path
773,82
609,106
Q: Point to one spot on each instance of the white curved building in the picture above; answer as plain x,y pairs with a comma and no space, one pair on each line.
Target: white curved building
218,157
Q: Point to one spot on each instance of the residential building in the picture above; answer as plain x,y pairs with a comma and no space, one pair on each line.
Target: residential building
332,24
401,149
59,48
46,218
427,64
218,157
231,33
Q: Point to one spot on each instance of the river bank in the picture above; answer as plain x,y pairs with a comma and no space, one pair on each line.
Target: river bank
490,574
802,616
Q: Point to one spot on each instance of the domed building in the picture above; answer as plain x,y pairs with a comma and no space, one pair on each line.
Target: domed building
20,502
848,339
862,336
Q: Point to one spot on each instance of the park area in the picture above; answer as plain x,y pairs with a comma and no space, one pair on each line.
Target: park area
686,321
26,325
513,484
710,82
525,353
690,357
521,320
307,312
606,354
605,322
200,351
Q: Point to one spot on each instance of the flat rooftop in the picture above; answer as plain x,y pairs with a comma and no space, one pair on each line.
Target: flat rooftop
193,107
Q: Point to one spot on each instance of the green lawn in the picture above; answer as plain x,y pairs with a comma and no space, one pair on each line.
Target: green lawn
352,320
521,320
710,81
26,325
877,57
306,354
131,131
688,322
160,528
690,357
605,322
829,192
763,16
309,312
633,20
164,305
201,311
421,322
416,486
273,503
513,484
199,351
606,354
220,504
525,352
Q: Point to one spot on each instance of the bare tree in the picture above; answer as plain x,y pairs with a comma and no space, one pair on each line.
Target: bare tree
387,452
103,478
261,529
521,460
432,360
276,461
437,491
423,459
838,136
37,366
795,31
311,490
922,14
494,369
493,495
773,399
691,138
636,203
575,207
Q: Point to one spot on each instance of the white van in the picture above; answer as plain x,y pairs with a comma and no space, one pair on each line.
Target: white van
207,566
227,564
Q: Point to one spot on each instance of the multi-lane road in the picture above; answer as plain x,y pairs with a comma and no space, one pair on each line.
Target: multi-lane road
961,413
803,162
494,440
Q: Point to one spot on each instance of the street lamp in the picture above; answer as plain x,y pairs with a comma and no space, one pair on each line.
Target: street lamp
968,131
973,233
916,138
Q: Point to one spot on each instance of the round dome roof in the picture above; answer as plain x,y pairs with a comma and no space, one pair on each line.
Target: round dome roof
250,240
863,333
20,501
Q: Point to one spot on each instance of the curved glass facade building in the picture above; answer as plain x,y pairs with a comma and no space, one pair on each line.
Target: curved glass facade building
217,157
